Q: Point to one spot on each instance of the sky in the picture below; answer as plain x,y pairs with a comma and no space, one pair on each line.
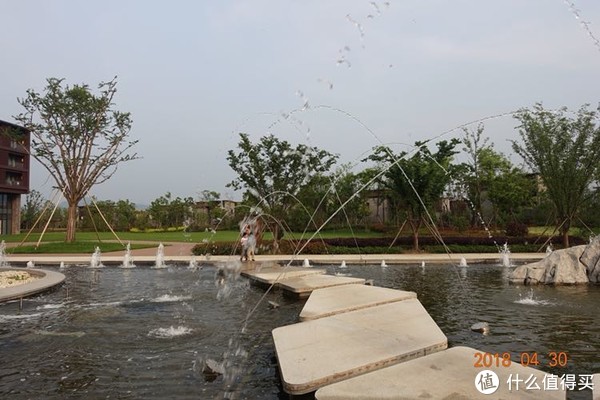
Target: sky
341,75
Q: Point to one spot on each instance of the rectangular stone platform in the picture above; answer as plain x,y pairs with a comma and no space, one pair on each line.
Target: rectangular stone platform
274,273
448,374
303,286
316,353
340,299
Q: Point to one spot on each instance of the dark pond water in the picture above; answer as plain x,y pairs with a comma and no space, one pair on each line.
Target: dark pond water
144,333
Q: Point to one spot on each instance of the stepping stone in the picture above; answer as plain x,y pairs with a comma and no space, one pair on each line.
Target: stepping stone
448,374
302,286
340,299
272,274
319,352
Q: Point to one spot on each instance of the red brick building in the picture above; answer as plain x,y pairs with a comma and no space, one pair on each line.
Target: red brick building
14,175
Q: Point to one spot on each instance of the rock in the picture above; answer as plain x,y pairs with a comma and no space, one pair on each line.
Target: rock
591,259
273,304
482,327
561,267
212,369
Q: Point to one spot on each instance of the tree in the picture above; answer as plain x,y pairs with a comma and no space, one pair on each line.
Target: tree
31,210
324,194
564,150
78,137
120,215
418,182
483,166
490,176
273,172
167,211
210,199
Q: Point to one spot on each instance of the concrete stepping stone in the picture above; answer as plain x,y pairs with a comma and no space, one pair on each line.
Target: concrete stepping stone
319,352
272,274
303,286
448,374
340,299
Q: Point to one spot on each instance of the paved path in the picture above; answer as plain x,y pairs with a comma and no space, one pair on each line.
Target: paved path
182,252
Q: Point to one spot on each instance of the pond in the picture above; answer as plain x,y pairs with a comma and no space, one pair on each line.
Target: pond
146,333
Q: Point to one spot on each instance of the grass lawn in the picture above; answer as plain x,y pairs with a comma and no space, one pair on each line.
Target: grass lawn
177,236
53,242
77,247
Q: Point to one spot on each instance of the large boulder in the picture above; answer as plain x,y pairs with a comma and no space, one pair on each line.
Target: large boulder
591,259
561,267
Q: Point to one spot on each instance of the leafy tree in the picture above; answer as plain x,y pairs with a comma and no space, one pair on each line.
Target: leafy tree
418,182
210,198
564,150
484,165
489,175
512,190
273,171
120,215
31,210
78,137
323,195
167,211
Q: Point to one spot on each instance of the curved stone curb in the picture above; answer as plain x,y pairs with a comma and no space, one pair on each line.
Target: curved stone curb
47,279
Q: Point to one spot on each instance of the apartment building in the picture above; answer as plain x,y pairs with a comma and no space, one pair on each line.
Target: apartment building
14,175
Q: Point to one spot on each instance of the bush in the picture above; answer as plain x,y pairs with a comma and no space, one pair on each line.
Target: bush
516,229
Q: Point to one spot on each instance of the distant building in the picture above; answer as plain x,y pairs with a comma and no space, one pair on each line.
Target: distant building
206,207
379,205
14,175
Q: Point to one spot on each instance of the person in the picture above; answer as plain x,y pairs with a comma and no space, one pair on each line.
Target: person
251,244
244,243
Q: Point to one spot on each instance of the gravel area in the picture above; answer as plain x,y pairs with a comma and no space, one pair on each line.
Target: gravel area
14,278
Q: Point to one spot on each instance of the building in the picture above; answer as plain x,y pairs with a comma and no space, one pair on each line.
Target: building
379,206
14,175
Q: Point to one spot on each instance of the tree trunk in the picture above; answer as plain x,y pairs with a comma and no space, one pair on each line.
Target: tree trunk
275,231
415,225
71,221
564,230
565,238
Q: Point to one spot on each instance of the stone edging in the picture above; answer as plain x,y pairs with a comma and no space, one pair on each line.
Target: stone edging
47,280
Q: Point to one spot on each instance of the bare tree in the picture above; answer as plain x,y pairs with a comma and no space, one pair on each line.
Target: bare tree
78,137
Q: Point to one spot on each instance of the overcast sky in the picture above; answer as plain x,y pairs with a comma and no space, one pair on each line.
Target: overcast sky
195,73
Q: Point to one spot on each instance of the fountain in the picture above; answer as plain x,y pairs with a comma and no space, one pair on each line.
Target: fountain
144,322
3,262
463,262
505,256
95,262
127,259
160,257
306,263
193,263
30,264
343,265
142,337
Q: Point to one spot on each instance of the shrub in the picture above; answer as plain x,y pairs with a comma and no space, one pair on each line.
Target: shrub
516,229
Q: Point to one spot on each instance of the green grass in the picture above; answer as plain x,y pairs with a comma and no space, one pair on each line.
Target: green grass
172,236
76,247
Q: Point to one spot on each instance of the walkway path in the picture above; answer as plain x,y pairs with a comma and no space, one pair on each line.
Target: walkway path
182,252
